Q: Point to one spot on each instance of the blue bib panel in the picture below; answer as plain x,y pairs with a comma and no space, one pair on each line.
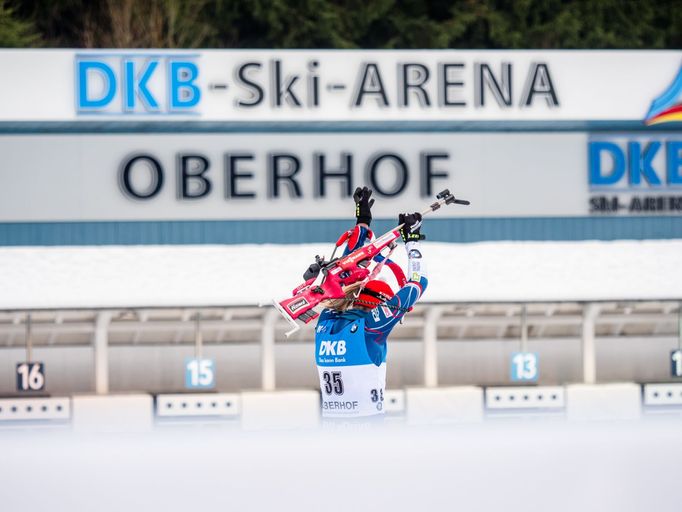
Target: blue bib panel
352,378
345,347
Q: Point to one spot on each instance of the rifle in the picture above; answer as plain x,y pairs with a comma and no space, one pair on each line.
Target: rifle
327,280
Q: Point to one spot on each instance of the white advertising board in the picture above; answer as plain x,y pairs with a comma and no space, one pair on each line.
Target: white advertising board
339,85
297,176
305,176
312,176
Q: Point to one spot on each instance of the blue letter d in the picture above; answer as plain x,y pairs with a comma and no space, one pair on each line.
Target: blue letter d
597,177
85,70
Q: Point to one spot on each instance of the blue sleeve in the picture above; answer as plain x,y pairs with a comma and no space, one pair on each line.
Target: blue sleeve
381,320
356,240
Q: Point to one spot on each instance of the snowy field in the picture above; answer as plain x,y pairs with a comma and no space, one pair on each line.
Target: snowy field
518,466
149,276
503,465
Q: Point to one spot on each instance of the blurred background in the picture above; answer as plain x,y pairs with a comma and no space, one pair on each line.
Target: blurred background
168,168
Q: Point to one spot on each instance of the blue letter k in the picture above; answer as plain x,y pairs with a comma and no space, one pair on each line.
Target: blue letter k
139,89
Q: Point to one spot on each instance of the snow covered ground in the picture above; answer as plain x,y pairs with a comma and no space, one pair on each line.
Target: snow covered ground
525,466
148,276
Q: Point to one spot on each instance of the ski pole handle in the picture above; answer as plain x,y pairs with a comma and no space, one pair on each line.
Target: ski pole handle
445,197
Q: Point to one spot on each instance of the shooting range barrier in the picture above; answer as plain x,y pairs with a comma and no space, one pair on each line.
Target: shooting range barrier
124,369
296,409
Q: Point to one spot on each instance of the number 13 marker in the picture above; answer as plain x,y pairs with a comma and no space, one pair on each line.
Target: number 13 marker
524,366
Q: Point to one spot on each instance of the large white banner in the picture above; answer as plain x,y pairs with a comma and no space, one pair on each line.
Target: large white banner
159,177
306,176
304,85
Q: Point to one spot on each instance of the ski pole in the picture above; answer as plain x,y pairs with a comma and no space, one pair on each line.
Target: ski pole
444,198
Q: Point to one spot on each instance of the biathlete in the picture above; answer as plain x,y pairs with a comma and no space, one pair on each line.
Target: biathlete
351,333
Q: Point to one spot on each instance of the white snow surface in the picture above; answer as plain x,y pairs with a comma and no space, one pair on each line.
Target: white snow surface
231,275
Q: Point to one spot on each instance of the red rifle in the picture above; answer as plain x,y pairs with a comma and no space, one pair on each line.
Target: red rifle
337,273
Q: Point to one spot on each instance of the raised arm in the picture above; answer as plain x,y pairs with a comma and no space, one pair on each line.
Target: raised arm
417,280
363,218
387,316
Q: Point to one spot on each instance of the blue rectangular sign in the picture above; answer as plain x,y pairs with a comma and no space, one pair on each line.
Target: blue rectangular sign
524,367
199,373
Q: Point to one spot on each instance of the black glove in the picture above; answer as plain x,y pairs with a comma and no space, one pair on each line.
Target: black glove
412,222
363,205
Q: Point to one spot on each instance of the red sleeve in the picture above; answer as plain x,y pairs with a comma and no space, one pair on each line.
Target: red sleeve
397,272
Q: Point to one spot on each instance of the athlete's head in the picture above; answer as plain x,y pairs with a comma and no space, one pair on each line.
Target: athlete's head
374,293
370,296
346,302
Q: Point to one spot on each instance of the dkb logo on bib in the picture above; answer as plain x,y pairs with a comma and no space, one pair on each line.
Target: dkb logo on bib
332,348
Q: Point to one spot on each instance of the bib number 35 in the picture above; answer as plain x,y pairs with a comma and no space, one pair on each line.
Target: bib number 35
332,383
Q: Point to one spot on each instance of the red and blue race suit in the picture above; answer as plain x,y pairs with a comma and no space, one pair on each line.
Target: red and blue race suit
345,357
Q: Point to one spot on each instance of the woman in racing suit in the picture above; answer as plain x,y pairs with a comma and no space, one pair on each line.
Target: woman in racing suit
351,334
